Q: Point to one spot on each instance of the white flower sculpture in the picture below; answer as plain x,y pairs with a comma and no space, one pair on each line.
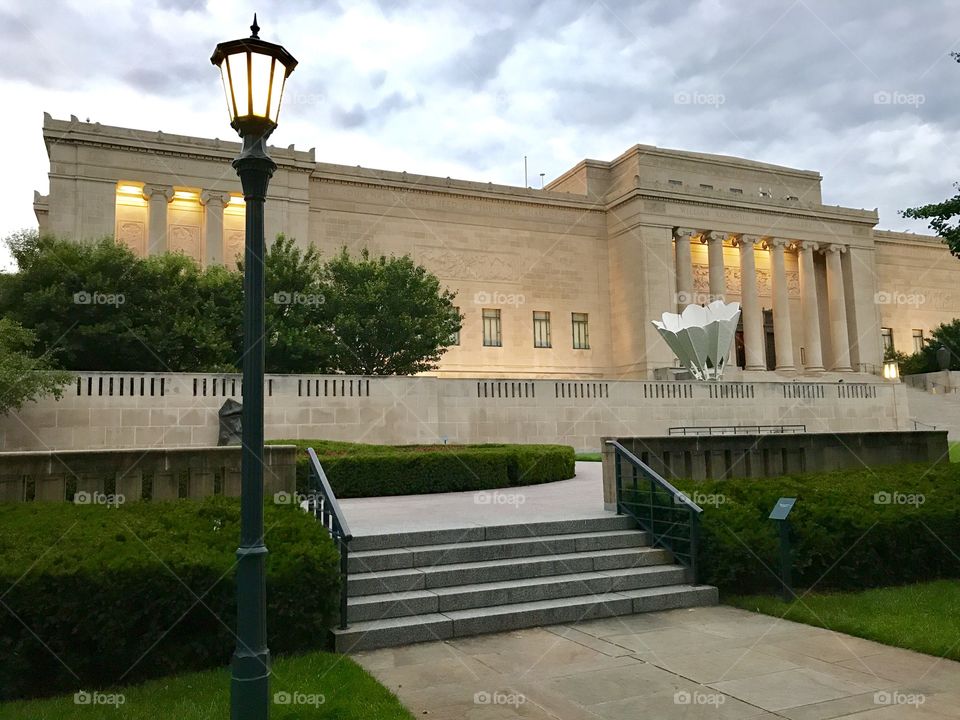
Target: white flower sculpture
701,336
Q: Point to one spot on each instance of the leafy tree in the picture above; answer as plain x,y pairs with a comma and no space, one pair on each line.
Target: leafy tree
388,316
100,307
294,313
23,377
103,308
946,335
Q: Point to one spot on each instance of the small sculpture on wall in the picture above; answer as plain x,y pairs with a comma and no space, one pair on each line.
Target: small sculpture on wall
700,336
230,423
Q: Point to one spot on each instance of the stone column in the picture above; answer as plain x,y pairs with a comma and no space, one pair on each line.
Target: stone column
213,204
750,304
718,282
811,308
159,197
838,309
783,335
684,262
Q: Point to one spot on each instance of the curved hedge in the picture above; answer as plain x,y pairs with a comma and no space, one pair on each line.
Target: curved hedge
358,470
845,535
99,597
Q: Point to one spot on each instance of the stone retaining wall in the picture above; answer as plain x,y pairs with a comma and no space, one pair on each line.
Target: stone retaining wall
129,410
118,476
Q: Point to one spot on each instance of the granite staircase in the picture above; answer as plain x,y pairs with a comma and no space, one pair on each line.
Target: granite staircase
440,584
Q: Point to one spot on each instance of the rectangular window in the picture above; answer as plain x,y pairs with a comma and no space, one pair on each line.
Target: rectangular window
704,186
581,331
887,335
675,183
541,329
491,328
738,191
917,340
455,338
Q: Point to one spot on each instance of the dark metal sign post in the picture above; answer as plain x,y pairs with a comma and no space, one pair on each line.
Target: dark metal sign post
780,513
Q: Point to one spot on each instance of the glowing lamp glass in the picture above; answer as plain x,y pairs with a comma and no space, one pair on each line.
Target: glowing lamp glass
254,74
891,371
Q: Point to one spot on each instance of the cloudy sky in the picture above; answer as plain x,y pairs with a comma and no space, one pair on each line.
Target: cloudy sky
864,92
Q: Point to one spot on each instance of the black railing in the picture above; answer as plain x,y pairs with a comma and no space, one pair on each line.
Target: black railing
671,518
737,429
917,425
325,508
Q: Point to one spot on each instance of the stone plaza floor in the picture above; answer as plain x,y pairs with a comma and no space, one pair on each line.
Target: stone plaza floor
580,497
714,662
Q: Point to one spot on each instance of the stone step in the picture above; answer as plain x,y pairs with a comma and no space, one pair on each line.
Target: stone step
465,597
388,541
441,576
474,621
506,548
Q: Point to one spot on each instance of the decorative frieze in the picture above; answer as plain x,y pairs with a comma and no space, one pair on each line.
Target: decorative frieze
701,280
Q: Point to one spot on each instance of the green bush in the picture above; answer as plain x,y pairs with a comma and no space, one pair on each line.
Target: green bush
842,537
359,470
98,596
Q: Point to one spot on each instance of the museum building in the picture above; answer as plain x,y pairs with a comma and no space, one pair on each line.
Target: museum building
555,282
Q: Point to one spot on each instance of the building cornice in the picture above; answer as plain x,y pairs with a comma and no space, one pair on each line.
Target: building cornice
810,212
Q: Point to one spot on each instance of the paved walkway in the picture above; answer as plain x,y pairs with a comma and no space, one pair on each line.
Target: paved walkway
581,497
716,662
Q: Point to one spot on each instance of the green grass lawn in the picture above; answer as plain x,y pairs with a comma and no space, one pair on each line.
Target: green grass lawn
955,452
347,691
588,457
919,617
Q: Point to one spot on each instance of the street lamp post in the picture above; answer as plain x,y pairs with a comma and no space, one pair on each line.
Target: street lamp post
254,73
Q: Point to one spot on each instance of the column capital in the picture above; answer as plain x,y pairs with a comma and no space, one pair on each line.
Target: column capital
156,191
743,239
775,242
685,233
804,245
833,248
714,236
213,197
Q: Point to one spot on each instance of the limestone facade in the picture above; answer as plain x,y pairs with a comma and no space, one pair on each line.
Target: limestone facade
608,245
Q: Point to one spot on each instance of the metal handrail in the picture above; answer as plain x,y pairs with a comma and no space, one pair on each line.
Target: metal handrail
325,508
917,424
645,513
735,429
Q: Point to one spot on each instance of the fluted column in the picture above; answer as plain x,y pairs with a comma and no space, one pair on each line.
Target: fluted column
782,332
838,308
684,262
750,304
718,282
159,196
811,307
213,204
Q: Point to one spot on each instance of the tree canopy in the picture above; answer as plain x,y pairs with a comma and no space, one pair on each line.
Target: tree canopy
97,306
22,376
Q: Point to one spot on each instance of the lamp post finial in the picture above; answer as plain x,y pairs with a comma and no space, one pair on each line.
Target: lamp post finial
255,29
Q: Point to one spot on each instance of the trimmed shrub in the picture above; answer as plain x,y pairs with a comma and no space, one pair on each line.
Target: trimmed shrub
358,470
849,529
98,596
